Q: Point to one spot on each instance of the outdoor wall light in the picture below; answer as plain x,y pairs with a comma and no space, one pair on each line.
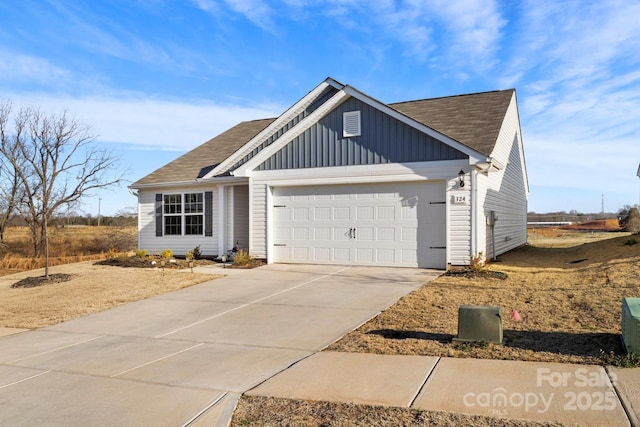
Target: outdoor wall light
461,176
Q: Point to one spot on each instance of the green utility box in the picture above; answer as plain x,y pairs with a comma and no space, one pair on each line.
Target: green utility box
631,324
479,323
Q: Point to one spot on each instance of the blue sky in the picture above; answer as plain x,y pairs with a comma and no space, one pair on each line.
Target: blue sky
156,78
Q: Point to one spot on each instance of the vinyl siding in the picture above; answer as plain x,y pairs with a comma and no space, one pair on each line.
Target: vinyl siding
383,140
459,222
504,192
258,219
178,244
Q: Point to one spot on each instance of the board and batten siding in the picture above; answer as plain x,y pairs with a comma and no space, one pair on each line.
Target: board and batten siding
505,192
383,140
180,245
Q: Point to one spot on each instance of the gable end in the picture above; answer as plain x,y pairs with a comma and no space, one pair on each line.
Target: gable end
383,139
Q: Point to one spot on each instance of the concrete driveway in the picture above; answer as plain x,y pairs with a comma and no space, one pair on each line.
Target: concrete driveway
184,358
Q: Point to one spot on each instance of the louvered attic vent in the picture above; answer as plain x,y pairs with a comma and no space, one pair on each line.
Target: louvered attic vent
351,123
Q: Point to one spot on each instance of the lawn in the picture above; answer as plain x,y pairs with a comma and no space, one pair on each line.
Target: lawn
567,290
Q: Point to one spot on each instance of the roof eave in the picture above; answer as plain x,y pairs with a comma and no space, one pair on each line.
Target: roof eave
187,183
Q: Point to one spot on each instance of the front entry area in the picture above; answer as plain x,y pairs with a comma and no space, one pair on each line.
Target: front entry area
391,224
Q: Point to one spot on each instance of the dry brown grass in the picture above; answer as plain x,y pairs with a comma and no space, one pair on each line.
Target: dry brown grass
571,311
92,288
66,245
271,411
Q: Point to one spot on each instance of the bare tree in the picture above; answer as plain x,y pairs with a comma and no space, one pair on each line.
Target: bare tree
9,181
57,163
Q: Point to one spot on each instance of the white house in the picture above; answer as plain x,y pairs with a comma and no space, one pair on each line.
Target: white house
342,178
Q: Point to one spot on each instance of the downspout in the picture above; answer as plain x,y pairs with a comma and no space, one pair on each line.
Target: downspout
136,193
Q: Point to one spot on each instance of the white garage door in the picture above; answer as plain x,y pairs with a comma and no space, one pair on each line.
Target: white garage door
398,224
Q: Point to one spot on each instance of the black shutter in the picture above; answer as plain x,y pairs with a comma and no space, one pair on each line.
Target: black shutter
208,213
158,215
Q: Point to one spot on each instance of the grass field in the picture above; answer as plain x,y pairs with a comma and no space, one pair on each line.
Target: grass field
66,245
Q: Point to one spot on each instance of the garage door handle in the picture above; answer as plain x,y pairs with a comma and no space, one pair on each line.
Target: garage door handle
354,233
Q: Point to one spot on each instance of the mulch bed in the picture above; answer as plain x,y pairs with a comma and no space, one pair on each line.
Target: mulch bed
32,282
137,262
477,274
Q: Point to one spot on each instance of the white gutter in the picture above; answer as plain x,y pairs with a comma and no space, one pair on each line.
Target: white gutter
217,180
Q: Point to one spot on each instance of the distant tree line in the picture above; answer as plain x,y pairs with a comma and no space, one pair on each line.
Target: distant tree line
575,216
116,220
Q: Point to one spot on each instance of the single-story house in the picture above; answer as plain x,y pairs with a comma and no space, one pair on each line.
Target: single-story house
342,178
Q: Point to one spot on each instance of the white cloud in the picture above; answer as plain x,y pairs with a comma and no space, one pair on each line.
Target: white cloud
139,122
24,68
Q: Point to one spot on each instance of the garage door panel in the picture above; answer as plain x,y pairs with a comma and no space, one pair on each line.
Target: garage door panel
300,214
386,234
322,214
322,233
379,224
342,213
386,213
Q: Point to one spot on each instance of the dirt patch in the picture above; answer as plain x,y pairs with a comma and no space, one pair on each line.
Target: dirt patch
569,312
270,411
596,225
32,282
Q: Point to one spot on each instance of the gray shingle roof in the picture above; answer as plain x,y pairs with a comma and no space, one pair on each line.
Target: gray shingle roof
473,120
202,159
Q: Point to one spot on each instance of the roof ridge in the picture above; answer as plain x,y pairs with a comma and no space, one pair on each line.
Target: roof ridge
452,96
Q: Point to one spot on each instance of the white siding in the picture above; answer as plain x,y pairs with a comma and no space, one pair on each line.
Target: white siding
147,238
459,209
258,219
505,192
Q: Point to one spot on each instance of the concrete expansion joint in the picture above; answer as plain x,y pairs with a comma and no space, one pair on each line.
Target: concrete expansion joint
424,383
629,412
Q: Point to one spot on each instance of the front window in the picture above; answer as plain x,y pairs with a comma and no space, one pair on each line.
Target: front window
183,214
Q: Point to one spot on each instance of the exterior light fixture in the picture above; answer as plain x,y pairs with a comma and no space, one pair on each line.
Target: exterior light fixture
461,176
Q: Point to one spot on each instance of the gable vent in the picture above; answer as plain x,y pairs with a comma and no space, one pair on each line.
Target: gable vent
351,123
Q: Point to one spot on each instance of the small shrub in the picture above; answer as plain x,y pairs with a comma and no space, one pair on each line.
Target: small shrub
189,256
242,258
166,254
630,242
142,253
478,263
113,253
197,254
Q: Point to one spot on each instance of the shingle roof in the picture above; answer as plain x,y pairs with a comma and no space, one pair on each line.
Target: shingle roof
202,159
473,120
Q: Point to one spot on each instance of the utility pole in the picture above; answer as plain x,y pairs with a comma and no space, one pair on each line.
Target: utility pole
602,205
99,201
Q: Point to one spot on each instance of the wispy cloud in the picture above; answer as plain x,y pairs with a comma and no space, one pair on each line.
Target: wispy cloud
143,122
256,11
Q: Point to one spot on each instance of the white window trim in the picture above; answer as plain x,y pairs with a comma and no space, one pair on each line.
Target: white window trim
183,215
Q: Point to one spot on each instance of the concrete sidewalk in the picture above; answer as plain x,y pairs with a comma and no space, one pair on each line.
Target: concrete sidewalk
554,392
